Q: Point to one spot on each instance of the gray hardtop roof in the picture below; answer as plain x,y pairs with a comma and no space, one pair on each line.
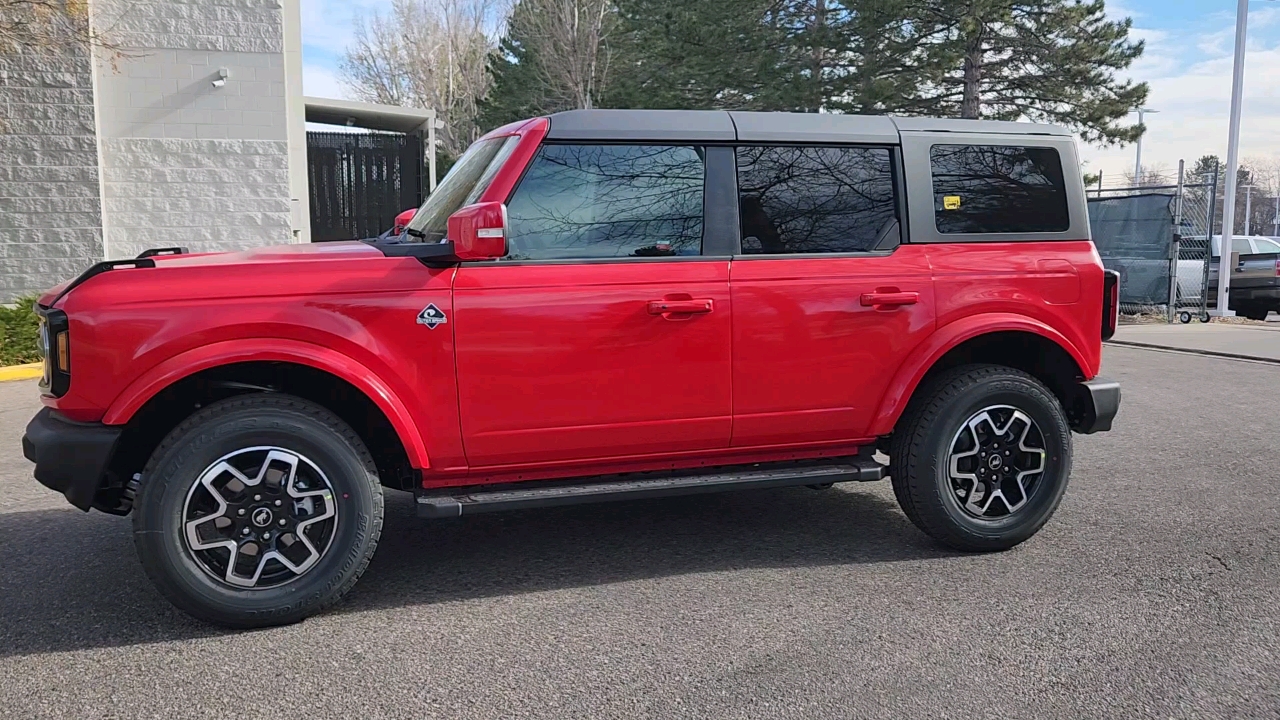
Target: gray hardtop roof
731,126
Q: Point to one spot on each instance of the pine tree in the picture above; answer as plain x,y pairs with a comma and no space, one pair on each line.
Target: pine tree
698,55
513,94
556,55
1043,60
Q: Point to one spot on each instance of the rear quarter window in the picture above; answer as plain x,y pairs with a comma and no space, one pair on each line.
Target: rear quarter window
981,189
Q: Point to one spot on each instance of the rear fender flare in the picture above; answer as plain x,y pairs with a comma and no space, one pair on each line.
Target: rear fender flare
185,364
943,340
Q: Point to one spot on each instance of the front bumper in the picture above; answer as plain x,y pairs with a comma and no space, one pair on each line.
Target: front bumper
70,457
1096,404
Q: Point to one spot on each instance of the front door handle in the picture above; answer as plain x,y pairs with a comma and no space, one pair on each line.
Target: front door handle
889,299
679,307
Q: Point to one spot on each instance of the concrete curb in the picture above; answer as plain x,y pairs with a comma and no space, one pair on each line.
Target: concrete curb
1193,351
21,372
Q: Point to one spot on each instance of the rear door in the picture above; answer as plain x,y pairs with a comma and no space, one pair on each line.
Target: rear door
827,301
605,332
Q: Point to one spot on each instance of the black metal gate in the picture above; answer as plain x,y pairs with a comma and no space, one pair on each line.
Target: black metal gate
360,181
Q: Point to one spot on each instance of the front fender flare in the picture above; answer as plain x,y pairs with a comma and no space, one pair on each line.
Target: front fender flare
185,364
943,340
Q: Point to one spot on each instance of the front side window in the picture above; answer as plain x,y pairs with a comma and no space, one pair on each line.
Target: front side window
814,199
466,180
998,189
608,201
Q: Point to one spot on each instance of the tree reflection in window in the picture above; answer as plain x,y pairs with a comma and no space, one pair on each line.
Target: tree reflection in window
600,201
1000,189
814,199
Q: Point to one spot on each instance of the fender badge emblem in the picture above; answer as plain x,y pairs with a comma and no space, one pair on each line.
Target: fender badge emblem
431,316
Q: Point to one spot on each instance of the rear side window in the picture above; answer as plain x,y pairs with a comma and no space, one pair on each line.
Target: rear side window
815,199
998,189
607,201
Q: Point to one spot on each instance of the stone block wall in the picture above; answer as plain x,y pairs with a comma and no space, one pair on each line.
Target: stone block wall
186,162
50,214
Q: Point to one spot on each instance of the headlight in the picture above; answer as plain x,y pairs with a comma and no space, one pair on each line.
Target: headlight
55,347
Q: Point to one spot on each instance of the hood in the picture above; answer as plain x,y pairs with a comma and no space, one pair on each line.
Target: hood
222,273
350,250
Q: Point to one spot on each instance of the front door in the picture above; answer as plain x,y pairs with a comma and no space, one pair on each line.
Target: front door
605,333
827,303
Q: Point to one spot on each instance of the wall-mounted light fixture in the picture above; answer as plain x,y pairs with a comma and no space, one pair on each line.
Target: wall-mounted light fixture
221,78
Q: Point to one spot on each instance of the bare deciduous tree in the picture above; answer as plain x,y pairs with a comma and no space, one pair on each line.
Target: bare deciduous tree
426,53
1152,176
42,24
569,40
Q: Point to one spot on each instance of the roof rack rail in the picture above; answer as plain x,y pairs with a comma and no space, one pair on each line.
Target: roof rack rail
102,267
153,252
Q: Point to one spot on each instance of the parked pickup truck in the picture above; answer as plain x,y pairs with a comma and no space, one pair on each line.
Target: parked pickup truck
1255,277
596,305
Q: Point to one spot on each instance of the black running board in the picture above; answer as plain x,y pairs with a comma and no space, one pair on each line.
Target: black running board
444,503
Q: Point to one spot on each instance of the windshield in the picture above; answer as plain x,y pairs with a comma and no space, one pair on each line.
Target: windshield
466,180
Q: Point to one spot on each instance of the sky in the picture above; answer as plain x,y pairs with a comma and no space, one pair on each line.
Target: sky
1187,62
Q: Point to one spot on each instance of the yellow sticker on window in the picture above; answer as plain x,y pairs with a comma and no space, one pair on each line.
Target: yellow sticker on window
950,202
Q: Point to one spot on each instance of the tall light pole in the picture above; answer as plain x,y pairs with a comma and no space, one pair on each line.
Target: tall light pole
1233,160
1275,218
1137,163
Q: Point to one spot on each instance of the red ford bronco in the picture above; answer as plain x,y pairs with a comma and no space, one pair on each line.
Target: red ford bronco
596,305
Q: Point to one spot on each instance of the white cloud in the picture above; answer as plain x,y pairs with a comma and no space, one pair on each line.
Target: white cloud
1190,79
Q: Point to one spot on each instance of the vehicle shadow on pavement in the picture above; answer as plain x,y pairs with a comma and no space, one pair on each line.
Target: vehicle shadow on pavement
554,548
72,582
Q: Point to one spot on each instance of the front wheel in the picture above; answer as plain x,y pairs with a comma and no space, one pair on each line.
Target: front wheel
258,510
981,458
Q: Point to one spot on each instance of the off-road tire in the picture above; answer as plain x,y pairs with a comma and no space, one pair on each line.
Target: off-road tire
922,442
224,427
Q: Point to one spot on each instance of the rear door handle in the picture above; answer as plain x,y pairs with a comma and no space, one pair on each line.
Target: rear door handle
686,307
889,299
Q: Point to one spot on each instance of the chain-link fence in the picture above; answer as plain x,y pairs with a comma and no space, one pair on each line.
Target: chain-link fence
1157,238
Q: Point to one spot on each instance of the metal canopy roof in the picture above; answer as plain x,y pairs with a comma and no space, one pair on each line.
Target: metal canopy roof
730,126
371,116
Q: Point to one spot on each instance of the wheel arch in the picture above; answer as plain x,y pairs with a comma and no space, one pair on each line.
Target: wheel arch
159,399
1011,340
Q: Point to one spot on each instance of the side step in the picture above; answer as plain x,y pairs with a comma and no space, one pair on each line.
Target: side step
468,501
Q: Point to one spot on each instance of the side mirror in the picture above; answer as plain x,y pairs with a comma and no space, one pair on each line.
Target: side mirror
479,232
402,220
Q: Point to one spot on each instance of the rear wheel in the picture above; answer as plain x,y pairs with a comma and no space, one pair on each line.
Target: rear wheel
981,458
258,510
1255,313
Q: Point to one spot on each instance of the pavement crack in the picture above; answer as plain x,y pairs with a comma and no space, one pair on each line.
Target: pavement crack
1221,562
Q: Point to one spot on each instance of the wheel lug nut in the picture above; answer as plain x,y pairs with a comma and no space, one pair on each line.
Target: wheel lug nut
240,511
257,498
282,522
278,503
245,531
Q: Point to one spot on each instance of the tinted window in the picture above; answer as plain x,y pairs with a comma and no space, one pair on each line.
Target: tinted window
814,199
997,189
600,201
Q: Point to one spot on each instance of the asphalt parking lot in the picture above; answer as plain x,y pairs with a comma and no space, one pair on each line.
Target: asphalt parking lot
1154,592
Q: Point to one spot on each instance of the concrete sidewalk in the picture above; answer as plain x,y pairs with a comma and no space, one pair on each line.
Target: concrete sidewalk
1255,342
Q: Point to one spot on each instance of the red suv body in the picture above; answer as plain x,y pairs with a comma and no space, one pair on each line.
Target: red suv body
691,295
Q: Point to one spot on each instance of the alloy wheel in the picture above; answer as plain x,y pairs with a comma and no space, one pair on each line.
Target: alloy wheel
259,517
996,462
